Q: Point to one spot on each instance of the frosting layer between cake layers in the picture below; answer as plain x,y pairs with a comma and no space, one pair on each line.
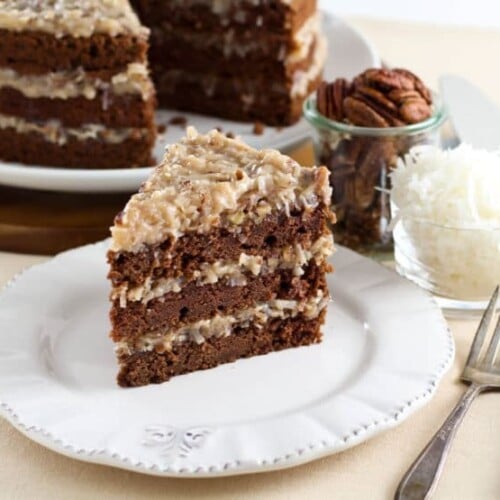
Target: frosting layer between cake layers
79,83
234,273
52,131
223,326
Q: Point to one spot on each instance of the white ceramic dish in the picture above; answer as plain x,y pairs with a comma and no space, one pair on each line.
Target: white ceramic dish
385,349
349,54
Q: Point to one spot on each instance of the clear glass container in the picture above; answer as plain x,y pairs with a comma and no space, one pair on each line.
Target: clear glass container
459,265
360,160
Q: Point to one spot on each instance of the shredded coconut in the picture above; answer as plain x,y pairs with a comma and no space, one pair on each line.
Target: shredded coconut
78,18
448,207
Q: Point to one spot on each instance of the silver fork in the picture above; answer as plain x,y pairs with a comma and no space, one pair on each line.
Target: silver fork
482,372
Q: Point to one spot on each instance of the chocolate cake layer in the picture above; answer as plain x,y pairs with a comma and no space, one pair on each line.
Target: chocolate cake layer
114,111
216,77
152,367
225,75
195,303
171,259
33,148
259,104
40,52
266,16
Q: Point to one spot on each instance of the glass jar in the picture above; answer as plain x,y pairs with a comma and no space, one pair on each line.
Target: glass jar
360,160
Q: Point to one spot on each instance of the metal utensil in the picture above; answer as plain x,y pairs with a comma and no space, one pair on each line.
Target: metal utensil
482,372
475,116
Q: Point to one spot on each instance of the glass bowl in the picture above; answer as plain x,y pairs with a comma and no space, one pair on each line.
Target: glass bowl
459,265
360,160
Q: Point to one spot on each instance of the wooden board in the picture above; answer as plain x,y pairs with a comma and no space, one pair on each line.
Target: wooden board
46,223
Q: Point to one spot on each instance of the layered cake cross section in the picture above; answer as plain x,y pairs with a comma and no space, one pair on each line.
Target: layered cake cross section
74,84
221,255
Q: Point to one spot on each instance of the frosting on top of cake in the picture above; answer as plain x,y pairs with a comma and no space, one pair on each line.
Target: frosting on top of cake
210,180
79,18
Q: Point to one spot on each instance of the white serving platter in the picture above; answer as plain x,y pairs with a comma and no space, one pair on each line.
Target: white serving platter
349,54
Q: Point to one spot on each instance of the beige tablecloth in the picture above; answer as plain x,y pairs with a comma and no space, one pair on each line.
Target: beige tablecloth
369,471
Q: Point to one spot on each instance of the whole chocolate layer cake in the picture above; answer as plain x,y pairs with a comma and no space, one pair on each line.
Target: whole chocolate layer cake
74,84
221,255
238,59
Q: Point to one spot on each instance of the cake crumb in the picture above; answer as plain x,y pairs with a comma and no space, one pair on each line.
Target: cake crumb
161,128
258,128
181,121
230,135
119,217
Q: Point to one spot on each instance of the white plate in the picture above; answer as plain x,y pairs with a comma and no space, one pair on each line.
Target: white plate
349,54
385,348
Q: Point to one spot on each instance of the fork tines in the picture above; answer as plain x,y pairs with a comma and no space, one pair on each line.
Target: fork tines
479,339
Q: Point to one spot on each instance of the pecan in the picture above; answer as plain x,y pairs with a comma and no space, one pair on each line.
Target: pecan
379,103
348,152
362,114
398,96
364,192
415,111
371,169
417,83
385,79
376,98
340,89
322,99
330,99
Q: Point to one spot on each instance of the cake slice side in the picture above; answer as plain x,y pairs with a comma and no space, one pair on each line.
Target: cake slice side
221,255
74,85
236,59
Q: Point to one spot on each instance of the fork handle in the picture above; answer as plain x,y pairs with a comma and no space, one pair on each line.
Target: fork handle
420,480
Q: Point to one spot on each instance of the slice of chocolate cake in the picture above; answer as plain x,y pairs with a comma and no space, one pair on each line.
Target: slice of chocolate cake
239,59
74,84
221,255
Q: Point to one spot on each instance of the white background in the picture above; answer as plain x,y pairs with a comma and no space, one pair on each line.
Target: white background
457,12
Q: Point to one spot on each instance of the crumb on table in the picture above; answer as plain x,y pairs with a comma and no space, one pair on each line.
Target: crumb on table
258,128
